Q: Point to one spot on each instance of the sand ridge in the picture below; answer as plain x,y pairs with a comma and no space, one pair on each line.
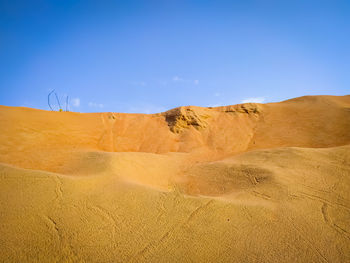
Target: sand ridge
241,183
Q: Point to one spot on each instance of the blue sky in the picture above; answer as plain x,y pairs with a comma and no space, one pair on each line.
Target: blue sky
150,56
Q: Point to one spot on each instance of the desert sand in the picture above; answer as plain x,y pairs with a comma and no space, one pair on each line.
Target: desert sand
242,183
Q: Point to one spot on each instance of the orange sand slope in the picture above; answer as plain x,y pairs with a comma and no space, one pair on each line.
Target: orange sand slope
243,183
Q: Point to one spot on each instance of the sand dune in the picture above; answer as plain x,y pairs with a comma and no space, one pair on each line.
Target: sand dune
242,183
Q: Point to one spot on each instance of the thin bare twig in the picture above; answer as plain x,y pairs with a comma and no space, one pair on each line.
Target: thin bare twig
67,103
59,104
48,99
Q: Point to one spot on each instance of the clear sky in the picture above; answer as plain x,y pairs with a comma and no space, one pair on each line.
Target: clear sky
149,56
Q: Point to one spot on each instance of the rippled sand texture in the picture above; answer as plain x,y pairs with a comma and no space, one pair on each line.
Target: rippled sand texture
243,183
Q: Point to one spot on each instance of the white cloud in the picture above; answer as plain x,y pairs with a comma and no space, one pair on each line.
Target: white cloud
215,105
254,100
177,78
217,94
75,102
95,105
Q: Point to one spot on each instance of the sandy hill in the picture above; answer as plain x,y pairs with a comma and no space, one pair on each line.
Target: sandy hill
242,183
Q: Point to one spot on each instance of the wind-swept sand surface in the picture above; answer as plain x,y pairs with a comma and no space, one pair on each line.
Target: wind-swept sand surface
243,183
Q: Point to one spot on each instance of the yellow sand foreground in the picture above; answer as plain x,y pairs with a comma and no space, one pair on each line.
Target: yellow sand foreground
243,183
